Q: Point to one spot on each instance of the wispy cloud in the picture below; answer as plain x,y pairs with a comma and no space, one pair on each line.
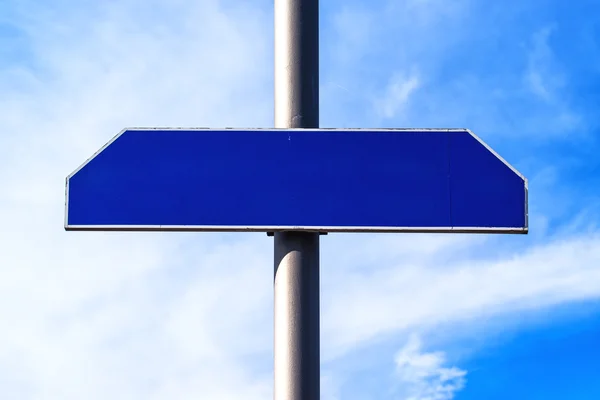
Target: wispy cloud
416,293
424,375
396,95
546,80
99,315
472,72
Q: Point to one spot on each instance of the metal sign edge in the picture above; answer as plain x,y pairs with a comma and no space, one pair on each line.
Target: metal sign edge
281,228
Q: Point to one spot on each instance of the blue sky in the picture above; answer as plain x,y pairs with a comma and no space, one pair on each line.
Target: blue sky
412,317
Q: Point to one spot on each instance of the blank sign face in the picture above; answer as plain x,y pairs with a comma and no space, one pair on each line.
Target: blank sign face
301,179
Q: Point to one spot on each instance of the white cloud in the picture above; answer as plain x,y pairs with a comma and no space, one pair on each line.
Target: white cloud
396,95
119,315
417,292
542,75
368,53
545,77
525,92
424,376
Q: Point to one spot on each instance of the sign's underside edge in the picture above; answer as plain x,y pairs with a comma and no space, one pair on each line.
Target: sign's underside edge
326,229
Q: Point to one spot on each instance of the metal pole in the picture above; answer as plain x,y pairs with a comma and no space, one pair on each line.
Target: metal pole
297,371
296,314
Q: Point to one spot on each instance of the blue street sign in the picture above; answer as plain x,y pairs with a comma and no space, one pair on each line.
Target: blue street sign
327,180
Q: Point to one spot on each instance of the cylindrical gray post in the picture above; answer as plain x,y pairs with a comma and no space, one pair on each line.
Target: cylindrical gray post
296,63
297,371
296,316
